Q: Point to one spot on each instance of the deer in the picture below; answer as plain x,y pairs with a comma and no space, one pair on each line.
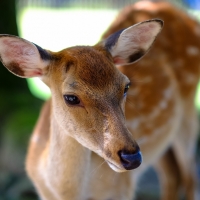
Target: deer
173,64
81,131
110,117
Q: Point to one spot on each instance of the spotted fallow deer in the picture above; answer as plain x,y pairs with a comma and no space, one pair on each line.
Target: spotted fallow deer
83,128
160,109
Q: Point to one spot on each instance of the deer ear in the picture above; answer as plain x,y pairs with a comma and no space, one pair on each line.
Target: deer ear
22,57
129,45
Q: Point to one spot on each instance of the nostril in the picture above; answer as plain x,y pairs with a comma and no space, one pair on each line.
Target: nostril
130,160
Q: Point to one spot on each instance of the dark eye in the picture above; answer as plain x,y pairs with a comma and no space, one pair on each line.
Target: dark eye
126,89
71,99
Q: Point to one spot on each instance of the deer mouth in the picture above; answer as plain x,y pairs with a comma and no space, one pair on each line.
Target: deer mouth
115,167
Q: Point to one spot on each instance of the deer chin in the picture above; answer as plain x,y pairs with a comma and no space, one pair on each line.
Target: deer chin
115,167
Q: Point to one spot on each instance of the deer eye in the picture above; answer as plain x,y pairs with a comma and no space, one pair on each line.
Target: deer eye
71,99
126,89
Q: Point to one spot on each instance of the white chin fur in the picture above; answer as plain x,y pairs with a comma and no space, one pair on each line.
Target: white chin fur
115,168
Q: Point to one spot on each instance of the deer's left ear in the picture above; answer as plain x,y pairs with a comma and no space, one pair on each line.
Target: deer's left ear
22,57
129,45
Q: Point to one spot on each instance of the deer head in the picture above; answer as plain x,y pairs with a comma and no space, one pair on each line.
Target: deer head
88,91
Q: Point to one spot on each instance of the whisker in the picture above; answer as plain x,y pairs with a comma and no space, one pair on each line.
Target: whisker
114,178
144,80
130,94
97,168
101,176
129,102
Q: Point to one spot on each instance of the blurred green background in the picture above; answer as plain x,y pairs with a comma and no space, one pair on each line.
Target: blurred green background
48,23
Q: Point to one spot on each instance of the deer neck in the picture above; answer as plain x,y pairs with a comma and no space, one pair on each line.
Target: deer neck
64,148
67,160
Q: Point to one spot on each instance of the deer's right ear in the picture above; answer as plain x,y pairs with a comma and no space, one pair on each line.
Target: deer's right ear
129,45
22,57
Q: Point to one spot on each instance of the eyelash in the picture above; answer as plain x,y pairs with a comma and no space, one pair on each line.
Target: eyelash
126,89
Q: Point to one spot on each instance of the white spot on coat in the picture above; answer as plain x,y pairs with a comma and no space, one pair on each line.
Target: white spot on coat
167,93
163,104
192,51
197,30
190,78
134,124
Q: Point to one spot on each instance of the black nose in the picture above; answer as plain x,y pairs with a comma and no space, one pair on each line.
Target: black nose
130,160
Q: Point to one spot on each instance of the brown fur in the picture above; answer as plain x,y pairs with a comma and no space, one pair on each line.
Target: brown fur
71,144
87,65
173,62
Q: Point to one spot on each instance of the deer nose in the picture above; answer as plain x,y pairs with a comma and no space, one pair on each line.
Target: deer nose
130,160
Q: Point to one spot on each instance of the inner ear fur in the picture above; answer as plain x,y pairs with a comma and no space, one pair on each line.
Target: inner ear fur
128,45
22,57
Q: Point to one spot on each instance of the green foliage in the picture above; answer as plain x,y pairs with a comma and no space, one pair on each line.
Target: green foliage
19,125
